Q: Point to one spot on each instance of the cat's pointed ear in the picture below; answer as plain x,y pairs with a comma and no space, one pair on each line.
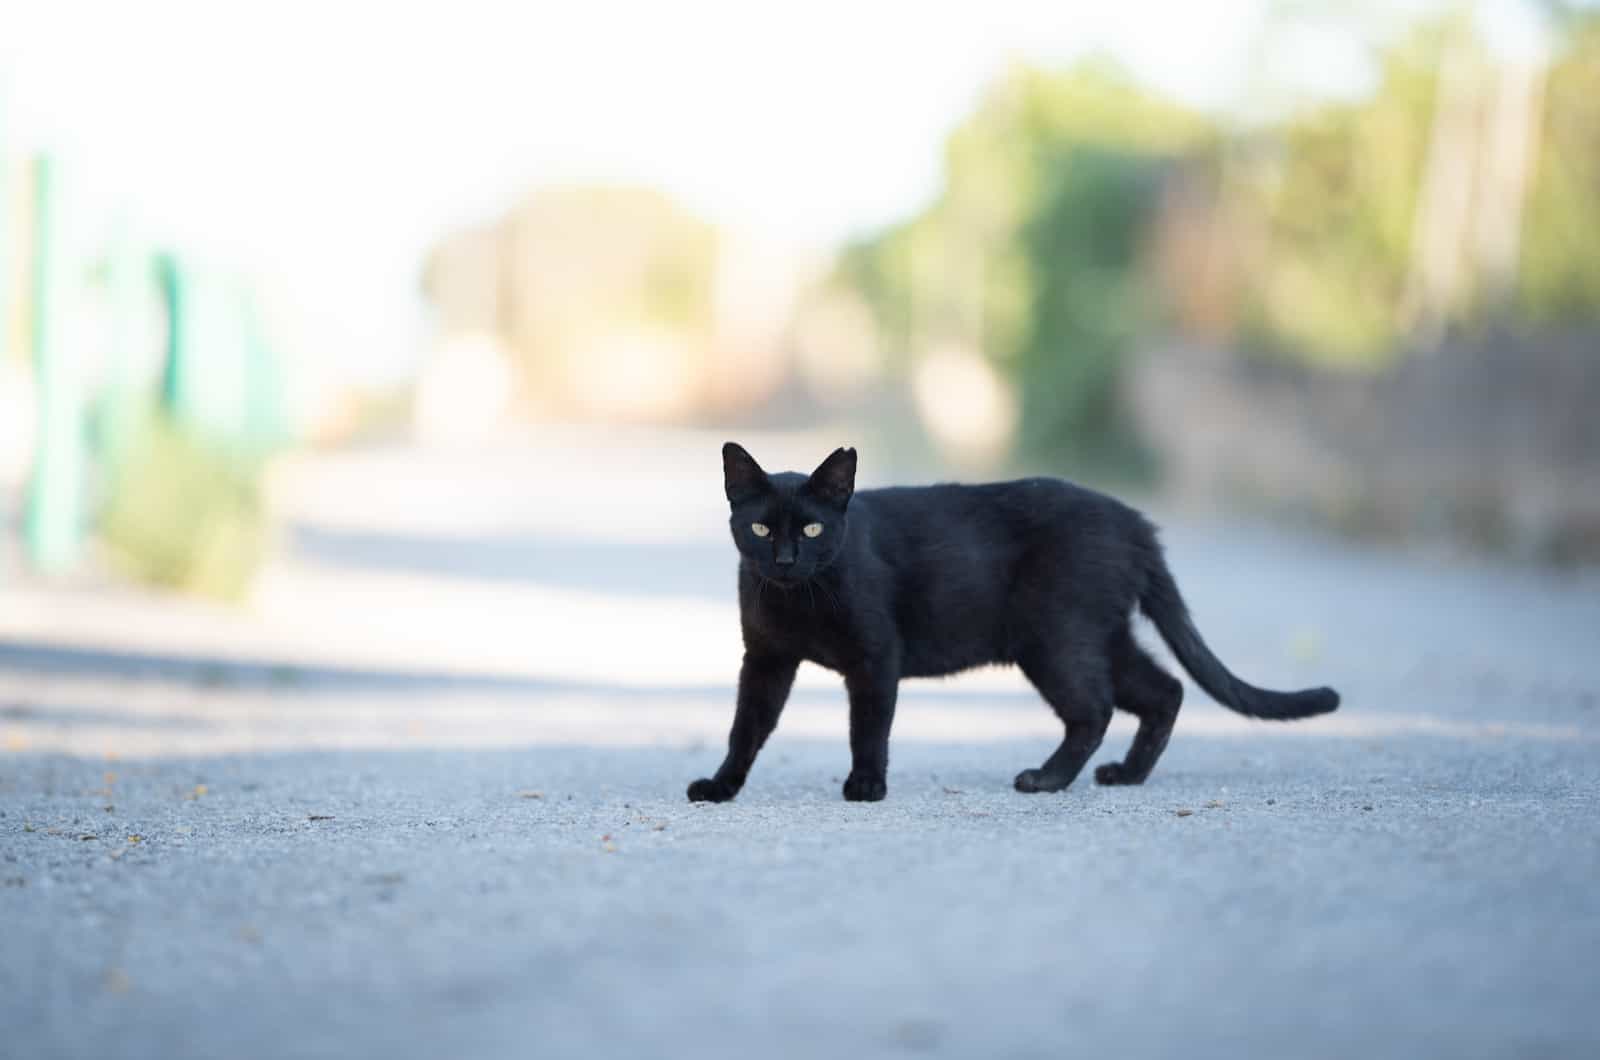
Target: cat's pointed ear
834,480
742,477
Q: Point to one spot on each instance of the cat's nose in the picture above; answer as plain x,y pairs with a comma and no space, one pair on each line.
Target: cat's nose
784,560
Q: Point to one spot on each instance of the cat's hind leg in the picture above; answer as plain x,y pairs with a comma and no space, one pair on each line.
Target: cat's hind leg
1144,689
1077,685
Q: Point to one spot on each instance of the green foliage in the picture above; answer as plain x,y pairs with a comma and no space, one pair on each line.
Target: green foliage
1091,302
1338,197
1560,267
1317,238
183,514
1031,254
1335,201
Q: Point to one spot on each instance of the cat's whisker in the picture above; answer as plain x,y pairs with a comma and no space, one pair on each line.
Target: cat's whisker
833,601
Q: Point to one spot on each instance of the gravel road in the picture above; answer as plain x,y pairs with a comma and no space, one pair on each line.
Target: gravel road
209,853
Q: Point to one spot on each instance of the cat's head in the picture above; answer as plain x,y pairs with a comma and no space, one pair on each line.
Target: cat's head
789,525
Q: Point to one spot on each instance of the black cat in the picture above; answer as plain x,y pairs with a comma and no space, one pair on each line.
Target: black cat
920,582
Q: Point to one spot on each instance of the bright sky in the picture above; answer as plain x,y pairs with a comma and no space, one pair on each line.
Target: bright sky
326,145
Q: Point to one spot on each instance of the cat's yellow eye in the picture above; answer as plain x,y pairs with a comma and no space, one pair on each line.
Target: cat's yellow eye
812,529
759,529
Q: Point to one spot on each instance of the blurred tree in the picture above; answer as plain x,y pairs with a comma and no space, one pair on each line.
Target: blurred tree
1091,302
1031,254
1332,195
1560,259
1461,191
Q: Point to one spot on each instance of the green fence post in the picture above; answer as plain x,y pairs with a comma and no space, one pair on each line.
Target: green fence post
175,307
54,525
266,425
223,381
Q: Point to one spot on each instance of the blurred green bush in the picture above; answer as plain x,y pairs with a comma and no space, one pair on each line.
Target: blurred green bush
185,514
1032,255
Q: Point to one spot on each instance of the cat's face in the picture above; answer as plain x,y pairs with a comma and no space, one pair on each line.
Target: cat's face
788,525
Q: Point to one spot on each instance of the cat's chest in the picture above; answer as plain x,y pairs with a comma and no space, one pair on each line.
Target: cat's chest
805,622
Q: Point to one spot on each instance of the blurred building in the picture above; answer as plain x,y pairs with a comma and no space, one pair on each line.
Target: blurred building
614,304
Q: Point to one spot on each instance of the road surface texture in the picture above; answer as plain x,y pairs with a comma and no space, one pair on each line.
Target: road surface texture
409,805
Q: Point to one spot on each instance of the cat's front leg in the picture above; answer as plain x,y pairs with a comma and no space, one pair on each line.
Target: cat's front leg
764,683
872,697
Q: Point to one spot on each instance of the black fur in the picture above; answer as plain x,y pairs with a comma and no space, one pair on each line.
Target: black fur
927,581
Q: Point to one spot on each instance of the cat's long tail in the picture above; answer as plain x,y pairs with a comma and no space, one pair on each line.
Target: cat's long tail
1165,607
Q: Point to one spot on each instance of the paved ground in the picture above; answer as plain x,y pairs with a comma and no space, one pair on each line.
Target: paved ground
271,835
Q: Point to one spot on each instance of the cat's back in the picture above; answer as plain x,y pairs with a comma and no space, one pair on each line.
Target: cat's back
1000,525
1018,505
965,567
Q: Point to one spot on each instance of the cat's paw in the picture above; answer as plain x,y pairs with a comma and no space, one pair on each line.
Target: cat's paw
707,789
1115,773
1032,781
861,787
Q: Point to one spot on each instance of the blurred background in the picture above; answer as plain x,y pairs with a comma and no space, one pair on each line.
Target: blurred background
414,337
366,596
